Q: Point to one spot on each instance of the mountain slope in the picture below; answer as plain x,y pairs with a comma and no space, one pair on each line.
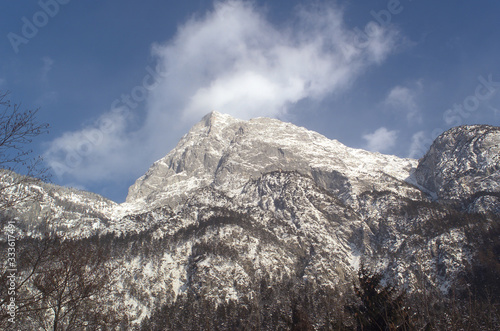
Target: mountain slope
46,208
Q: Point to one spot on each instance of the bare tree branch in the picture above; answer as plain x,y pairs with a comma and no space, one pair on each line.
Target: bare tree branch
18,165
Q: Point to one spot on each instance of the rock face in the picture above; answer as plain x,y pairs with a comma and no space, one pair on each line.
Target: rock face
226,153
463,164
239,207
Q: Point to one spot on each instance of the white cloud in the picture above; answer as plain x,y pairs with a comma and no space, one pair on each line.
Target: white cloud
382,140
235,61
101,147
404,99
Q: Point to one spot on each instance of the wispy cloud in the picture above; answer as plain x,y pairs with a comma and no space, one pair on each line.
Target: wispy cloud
235,61
382,140
404,99
420,143
48,64
48,96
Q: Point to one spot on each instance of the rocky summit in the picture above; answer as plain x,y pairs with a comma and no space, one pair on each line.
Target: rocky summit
261,223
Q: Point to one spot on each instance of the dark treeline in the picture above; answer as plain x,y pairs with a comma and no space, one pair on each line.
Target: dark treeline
369,305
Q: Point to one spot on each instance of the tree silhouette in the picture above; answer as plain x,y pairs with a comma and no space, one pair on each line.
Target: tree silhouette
64,286
382,307
17,130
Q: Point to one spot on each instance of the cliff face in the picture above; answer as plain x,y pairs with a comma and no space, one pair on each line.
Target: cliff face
238,204
463,165
225,153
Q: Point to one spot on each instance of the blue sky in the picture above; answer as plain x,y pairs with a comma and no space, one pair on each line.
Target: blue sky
120,82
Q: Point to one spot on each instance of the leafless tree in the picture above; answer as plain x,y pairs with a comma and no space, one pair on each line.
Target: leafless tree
65,285
18,165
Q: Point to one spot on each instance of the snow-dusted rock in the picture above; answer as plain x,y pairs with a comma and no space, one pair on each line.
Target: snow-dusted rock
226,153
463,164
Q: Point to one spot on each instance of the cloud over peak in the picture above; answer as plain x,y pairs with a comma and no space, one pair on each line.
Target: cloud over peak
232,59
382,140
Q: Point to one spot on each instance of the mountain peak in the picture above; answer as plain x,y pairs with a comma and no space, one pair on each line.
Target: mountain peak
212,117
225,153
216,118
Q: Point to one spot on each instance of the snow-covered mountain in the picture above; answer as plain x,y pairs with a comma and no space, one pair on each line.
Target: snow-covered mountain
238,204
225,153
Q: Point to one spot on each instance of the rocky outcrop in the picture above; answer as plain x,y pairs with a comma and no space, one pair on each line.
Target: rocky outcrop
463,165
226,153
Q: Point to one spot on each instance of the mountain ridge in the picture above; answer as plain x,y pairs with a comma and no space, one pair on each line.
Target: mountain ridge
275,146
